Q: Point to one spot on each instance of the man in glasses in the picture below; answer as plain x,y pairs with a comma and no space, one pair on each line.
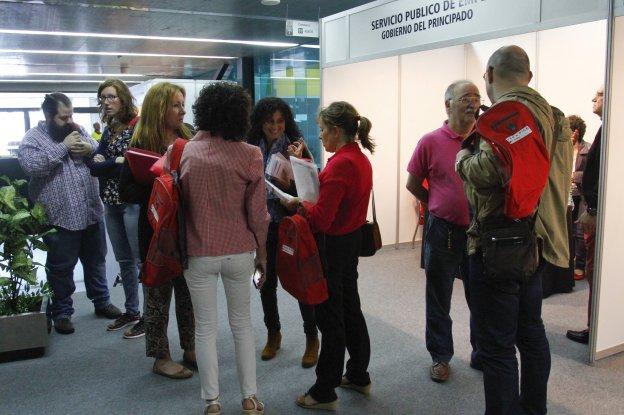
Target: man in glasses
445,233
53,155
507,309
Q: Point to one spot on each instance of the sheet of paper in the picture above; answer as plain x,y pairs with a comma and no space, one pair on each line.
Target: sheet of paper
306,179
279,192
280,168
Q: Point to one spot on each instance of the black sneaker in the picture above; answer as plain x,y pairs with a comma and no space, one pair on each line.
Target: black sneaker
109,311
63,325
123,321
136,331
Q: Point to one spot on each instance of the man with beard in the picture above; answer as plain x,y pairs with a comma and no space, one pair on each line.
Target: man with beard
53,155
445,234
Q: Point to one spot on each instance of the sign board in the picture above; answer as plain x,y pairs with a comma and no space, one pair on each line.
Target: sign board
302,28
408,23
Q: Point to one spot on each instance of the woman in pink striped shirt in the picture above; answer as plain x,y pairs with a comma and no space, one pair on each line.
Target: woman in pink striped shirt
224,195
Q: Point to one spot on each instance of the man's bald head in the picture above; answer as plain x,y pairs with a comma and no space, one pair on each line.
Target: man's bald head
507,68
511,63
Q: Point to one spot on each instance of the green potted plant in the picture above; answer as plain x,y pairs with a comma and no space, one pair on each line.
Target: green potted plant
23,322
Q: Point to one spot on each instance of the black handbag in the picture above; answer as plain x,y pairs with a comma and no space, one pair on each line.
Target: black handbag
371,237
510,250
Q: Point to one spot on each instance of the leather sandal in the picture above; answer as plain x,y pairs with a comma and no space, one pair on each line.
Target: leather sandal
347,384
258,408
308,402
213,407
182,373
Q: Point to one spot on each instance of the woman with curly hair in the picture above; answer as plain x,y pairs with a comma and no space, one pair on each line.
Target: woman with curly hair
226,227
162,122
273,130
118,112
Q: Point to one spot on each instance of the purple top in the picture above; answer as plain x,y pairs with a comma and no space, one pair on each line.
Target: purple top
62,184
434,160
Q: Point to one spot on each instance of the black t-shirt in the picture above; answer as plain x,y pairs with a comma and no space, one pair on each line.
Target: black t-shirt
591,175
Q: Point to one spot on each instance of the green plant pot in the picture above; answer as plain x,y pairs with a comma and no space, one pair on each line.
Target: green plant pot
24,335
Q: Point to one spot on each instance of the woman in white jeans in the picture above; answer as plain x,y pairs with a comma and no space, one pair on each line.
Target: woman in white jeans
222,182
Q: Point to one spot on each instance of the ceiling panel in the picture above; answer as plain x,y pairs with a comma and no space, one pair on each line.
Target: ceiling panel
214,19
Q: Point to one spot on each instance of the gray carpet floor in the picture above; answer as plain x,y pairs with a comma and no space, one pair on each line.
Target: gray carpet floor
96,372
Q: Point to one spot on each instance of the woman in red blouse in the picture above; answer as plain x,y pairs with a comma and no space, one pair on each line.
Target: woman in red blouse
345,186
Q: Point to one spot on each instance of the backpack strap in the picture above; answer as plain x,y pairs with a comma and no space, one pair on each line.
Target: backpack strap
374,211
176,153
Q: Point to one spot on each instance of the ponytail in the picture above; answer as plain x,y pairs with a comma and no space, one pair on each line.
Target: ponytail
343,115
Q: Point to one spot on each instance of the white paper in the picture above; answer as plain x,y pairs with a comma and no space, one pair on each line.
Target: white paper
279,167
280,193
306,179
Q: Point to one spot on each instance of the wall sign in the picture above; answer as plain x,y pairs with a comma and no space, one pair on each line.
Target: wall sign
408,23
302,28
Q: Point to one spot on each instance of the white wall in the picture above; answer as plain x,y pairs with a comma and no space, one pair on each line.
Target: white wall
372,88
610,308
418,82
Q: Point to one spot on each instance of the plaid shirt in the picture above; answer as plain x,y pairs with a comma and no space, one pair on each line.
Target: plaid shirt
62,184
224,196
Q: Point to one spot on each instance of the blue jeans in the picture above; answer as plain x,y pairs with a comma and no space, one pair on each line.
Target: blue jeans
122,225
445,259
509,314
65,248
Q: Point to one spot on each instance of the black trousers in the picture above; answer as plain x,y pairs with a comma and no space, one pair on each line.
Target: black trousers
268,292
340,319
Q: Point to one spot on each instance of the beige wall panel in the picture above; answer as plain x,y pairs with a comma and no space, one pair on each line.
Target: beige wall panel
372,87
478,53
610,330
570,68
424,78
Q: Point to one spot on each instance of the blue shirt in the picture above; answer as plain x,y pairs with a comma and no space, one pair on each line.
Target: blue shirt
63,184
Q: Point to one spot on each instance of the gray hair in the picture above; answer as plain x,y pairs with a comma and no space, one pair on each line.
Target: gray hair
449,94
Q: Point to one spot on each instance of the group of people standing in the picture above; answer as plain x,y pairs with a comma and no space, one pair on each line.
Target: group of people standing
231,227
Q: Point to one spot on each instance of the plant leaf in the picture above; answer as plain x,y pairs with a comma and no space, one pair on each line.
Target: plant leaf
21,215
4,281
7,196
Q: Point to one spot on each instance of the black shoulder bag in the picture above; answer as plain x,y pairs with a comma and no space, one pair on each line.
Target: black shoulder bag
371,237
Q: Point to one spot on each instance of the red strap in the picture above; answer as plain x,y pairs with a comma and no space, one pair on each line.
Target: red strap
133,122
176,153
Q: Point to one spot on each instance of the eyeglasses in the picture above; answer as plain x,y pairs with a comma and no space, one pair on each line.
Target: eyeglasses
470,100
107,98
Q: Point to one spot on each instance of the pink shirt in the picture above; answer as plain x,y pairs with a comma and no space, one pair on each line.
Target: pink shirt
434,160
224,196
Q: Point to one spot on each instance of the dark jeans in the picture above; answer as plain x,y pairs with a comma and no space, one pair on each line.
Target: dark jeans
445,259
65,248
340,319
579,242
506,315
268,293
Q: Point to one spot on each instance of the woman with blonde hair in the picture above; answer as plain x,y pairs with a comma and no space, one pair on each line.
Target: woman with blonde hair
162,122
119,114
338,215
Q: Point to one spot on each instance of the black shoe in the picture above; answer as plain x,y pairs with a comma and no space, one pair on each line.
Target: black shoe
123,321
109,311
63,325
581,336
138,330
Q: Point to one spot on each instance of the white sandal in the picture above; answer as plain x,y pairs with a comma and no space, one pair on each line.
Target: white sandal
213,407
258,408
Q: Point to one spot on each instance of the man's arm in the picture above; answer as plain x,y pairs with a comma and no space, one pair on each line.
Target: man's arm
414,185
481,170
40,162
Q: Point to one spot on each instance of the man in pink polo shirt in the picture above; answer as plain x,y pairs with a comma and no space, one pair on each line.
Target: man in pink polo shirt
445,232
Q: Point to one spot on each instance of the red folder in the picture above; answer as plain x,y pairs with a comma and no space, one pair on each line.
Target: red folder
140,162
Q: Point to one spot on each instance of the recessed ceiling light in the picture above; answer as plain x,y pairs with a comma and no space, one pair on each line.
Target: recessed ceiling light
55,81
270,2
104,75
162,38
311,46
71,52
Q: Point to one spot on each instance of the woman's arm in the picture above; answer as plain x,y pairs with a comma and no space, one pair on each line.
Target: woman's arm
131,191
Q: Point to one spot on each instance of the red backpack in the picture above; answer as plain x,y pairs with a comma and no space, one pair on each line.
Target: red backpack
298,262
166,256
511,130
